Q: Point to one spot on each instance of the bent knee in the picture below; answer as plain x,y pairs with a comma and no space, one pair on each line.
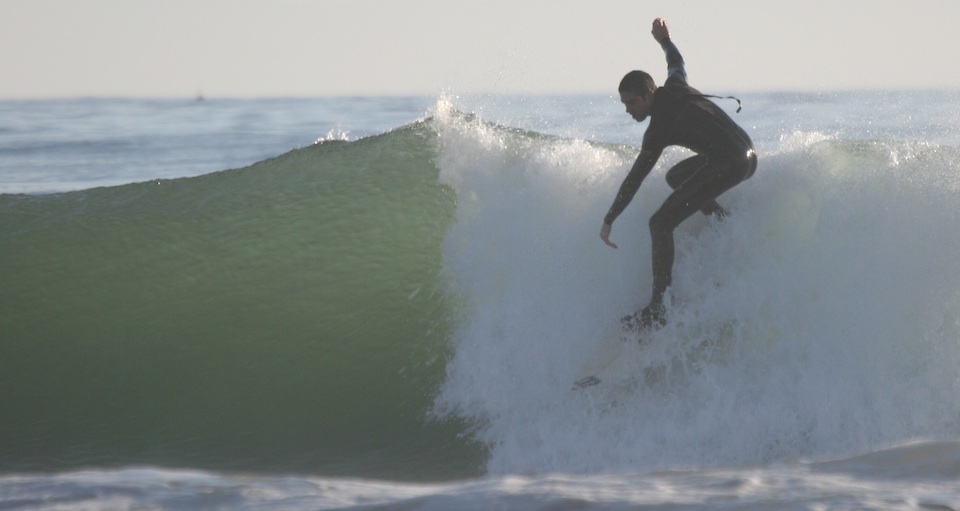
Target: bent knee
662,223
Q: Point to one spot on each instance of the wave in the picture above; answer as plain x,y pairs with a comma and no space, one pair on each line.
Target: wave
924,473
284,316
414,305
820,319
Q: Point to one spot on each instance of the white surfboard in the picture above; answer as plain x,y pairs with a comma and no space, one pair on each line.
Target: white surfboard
602,361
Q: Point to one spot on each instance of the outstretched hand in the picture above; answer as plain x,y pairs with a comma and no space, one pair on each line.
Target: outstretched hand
660,31
605,235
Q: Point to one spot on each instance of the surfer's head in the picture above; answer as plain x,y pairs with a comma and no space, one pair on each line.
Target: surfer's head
636,93
637,82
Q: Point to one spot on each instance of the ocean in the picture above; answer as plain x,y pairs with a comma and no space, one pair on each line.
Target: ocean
382,303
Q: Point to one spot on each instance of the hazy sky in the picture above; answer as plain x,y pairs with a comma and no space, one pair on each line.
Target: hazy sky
65,48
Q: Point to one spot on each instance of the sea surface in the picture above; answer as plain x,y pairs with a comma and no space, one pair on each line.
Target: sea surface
382,304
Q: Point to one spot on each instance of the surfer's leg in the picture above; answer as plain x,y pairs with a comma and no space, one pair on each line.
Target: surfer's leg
697,192
686,169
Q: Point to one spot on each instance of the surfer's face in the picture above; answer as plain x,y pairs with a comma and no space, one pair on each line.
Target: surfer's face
638,105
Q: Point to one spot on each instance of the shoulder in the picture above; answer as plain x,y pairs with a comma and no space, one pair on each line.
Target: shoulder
678,90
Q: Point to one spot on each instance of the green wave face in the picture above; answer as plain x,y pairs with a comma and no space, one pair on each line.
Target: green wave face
286,316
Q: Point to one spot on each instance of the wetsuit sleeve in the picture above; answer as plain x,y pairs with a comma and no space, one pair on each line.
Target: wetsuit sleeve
676,73
641,169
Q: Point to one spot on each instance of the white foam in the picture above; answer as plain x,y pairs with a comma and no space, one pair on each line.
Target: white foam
819,319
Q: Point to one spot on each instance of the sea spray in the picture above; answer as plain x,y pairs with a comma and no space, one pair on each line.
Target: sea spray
818,320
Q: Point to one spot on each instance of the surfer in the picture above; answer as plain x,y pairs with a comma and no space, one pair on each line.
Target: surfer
679,115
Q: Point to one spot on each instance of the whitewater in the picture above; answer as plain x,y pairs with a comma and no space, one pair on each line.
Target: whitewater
393,320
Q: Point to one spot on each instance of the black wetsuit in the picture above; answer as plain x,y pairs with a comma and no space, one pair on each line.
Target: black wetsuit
681,115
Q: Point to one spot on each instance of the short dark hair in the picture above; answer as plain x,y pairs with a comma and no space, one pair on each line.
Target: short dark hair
637,82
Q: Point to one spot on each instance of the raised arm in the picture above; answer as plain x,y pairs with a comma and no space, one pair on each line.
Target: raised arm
676,74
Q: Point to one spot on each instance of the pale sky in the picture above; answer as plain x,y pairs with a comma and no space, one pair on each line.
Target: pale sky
255,48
